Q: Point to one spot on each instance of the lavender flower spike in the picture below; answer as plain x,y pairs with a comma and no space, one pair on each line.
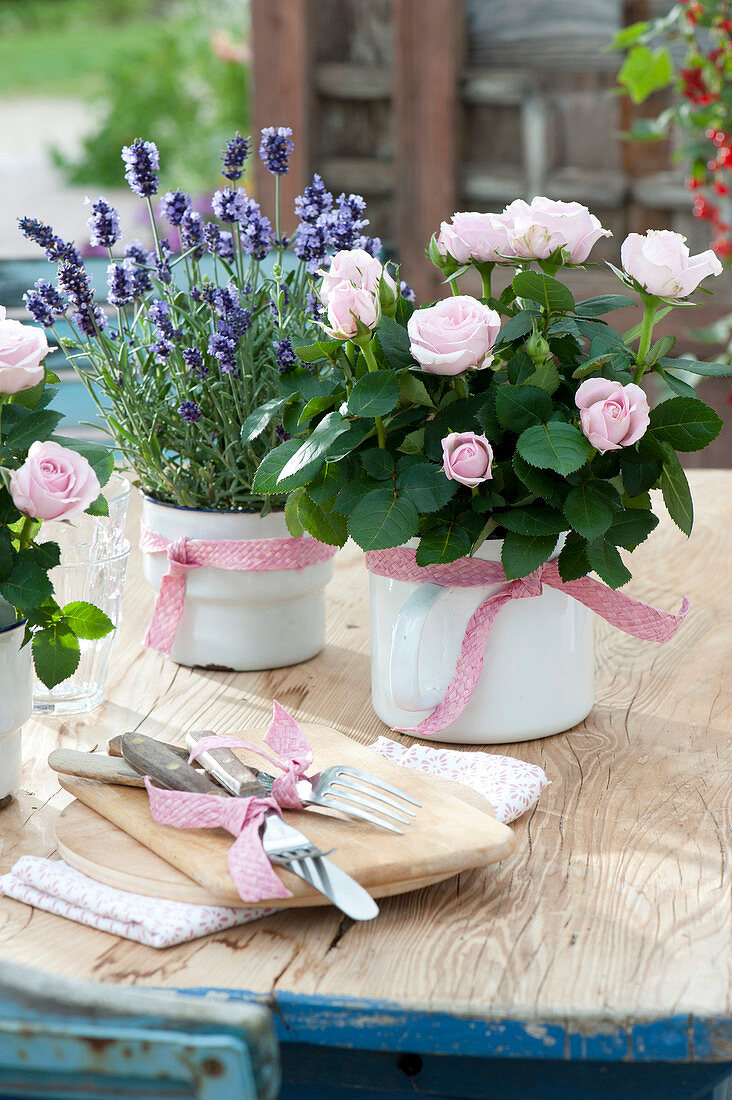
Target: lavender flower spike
122,283
173,206
275,149
190,412
230,205
104,228
142,162
233,156
44,303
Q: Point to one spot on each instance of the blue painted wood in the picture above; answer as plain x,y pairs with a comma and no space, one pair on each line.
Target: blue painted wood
60,1038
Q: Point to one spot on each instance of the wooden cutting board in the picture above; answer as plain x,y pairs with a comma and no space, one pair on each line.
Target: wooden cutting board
453,831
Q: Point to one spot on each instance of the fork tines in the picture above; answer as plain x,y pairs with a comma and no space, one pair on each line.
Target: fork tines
336,788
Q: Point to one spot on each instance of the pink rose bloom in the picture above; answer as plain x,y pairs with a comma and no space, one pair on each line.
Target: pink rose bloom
661,263
472,236
454,335
612,416
346,304
22,351
357,267
467,458
54,482
537,229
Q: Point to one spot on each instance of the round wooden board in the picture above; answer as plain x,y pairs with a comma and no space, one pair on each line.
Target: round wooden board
91,844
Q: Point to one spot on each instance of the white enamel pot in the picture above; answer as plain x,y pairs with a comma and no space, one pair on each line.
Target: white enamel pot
16,700
243,621
538,672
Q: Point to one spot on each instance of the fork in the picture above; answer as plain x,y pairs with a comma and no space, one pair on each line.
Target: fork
356,793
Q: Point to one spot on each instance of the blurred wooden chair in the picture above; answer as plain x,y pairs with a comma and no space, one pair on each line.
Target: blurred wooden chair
66,1039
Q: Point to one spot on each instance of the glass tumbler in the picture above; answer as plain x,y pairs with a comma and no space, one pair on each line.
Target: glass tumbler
94,554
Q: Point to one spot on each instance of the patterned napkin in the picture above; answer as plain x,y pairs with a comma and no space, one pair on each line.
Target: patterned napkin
511,787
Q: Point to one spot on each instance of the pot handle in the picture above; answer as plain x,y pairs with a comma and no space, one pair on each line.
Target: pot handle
405,644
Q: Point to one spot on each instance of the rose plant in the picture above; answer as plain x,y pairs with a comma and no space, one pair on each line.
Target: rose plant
42,477
519,417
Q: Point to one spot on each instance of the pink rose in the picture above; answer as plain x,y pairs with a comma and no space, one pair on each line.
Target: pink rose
22,351
472,236
661,263
467,458
54,482
346,304
455,335
355,266
612,416
537,229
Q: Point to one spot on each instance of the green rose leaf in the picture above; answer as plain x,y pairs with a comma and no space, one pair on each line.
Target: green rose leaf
519,368
426,486
266,480
394,340
541,482
378,463
294,526
607,563
99,457
550,293
257,421
86,620
588,511
55,653
676,491
522,554
313,450
413,443
354,436
694,366
518,325
375,394
328,482
519,407
554,446
27,586
630,528
7,554
444,543
46,554
21,426
603,303
321,403
645,71
313,353
325,525
639,472
573,562
98,507
536,520
412,391
352,492
383,519
685,423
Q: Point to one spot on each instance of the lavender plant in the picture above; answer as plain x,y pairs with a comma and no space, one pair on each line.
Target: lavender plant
194,358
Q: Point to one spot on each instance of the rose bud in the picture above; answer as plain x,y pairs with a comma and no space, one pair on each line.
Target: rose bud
349,306
467,458
356,266
612,416
54,482
661,263
455,335
22,351
537,229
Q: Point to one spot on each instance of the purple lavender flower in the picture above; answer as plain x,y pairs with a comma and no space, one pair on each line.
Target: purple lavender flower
284,354
122,283
104,229
275,149
142,162
226,303
256,232
233,156
74,281
226,246
223,344
191,233
159,315
348,221
281,434
162,349
44,303
212,237
89,318
230,205
311,242
372,245
194,361
142,260
314,201
190,412
406,292
173,206
56,248
312,306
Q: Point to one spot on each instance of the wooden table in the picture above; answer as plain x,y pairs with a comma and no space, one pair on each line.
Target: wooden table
598,958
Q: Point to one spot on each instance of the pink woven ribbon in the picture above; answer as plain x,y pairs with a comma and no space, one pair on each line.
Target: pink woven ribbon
249,866
623,611
241,555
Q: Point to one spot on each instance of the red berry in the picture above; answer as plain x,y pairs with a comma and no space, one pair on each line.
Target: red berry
721,188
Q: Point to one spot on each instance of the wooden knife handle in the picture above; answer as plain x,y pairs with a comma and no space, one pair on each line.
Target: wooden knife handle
93,765
114,747
164,766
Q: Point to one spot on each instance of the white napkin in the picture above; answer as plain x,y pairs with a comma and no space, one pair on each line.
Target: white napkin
511,786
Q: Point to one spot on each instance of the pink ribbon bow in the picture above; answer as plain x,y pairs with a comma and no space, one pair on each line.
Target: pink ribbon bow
623,611
241,555
249,866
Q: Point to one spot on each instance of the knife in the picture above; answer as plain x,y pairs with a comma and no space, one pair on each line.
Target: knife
279,840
